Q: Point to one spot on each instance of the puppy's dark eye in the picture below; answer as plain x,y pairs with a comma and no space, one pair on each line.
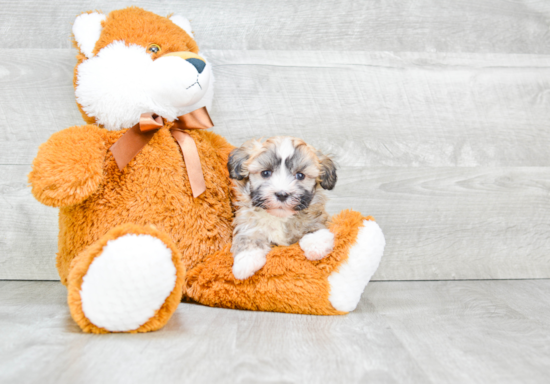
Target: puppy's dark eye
266,174
154,48
300,176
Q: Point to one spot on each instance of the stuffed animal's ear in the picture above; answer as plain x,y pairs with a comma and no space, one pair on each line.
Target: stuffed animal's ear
235,164
86,31
328,173
183,23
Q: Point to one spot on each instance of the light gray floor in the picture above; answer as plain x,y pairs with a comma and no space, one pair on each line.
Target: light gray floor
402,332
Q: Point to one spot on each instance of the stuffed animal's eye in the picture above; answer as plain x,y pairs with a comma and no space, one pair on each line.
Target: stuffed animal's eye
300,176
266,174
154,48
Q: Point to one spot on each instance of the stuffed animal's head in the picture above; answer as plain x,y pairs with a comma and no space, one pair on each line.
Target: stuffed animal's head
132,61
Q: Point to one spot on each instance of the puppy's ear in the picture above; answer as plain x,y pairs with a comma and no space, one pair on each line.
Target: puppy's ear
328,173
235,164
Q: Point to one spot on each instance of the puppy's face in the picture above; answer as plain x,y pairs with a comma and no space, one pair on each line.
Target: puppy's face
282,174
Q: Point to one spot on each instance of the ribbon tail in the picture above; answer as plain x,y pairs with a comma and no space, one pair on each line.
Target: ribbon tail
202,116
129,145
192,161
198,119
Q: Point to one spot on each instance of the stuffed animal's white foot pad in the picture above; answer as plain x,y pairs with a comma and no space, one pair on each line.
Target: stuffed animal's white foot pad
128,282
349,281
246,263
318,244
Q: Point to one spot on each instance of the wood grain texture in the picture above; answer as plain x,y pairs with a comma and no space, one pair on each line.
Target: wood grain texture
372,109
439,223
461,332
367,109
28,244
420,26
401,332
436,111
454,223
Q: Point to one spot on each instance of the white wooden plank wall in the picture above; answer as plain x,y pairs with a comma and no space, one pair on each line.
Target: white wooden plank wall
438,113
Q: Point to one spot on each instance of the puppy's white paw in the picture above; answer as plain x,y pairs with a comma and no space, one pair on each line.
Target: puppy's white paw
246,263
318,244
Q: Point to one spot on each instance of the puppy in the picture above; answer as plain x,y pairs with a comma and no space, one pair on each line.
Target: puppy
280,200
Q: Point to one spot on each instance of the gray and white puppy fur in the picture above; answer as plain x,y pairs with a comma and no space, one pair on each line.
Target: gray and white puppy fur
280,200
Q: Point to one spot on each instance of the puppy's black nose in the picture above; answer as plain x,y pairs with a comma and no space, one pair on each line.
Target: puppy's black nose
281,196
197,63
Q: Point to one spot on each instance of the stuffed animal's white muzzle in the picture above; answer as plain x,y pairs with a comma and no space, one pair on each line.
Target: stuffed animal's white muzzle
179,79
123,81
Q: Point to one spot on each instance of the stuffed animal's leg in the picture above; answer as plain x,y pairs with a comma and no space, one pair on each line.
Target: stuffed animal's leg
289,282
130,280
348,281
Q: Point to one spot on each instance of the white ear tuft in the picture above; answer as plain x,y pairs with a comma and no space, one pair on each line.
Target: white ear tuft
86,31
183,23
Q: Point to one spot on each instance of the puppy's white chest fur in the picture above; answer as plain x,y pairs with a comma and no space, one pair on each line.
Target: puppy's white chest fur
274,227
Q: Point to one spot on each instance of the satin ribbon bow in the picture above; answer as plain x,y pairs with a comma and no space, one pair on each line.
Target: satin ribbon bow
137,137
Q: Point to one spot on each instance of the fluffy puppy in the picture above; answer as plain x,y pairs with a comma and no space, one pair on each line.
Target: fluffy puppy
280,200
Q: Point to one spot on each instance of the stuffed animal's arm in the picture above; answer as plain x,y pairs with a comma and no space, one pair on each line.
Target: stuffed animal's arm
69,166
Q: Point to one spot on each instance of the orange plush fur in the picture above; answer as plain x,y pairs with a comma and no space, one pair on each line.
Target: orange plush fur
80,265
134,25
75,171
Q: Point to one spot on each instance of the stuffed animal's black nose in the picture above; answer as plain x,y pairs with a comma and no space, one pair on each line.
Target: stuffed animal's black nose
281,196
197,63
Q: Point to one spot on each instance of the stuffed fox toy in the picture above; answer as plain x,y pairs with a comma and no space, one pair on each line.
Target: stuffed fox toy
145,196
